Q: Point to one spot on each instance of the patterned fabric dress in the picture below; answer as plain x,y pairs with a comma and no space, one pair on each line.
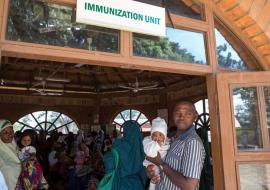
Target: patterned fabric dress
31,177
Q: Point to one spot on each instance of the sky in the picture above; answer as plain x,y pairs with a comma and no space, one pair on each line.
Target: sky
194,42
220,40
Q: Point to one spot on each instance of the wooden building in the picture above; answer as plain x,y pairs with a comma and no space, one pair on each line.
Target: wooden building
91,74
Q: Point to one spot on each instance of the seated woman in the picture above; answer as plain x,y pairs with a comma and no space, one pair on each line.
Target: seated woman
130,173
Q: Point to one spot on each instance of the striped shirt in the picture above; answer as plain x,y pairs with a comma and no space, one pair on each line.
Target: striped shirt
186,156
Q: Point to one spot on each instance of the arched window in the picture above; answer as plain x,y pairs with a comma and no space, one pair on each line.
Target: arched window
202,106
48,121
203,120
228,58
131,114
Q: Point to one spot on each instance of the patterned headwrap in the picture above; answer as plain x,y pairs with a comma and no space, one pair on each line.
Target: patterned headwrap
27,152
4,124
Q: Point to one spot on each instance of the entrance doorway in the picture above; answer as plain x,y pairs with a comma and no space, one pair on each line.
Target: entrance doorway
94,96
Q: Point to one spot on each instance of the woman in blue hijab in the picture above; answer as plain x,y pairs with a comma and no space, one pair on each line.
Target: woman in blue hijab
130,173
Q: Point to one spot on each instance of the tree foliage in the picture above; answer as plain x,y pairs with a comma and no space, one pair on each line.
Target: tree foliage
45,23
162,49
227,61
246,111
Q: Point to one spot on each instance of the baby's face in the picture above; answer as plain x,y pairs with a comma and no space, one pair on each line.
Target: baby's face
159,137
26,141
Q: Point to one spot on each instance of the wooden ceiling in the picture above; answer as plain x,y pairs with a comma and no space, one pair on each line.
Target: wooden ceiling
36,77
250,19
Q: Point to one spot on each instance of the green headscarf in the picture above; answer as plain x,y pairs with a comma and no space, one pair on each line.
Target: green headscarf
130,174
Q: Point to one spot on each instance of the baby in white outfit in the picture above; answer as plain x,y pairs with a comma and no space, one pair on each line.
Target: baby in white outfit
156,143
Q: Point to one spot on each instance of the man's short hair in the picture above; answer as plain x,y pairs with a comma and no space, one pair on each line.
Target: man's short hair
186,103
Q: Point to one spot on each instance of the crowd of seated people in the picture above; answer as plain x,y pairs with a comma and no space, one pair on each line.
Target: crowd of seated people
72,161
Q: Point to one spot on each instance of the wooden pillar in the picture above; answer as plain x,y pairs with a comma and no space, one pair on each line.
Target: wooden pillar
2,3
218,174
211,42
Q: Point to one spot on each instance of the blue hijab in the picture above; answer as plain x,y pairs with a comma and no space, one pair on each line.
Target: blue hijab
130,174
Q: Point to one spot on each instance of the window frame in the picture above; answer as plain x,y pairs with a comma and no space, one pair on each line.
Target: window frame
51,124
262,118
130,118
124,59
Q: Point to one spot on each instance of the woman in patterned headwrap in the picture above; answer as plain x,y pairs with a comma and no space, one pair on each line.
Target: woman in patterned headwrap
130,173
31,177
9,162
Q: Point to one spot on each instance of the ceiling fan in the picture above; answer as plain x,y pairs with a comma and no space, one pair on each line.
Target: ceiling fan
135,87
42,91
42,81
52,79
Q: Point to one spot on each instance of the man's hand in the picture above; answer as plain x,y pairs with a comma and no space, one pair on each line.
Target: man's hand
151,174
155,179
156,160
150,171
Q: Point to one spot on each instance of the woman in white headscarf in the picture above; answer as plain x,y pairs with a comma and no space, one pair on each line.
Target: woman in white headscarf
9,162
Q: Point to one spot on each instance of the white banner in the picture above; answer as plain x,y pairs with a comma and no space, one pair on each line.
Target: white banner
123,15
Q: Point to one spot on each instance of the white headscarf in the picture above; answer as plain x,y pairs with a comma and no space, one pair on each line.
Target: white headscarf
4,124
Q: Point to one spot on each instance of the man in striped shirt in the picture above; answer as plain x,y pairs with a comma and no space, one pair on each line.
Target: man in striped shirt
184,161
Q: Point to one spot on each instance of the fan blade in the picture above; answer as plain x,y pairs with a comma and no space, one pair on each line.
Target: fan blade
53,94
127,87
52,79
152,88
43,93
37,83
149,87
39,91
